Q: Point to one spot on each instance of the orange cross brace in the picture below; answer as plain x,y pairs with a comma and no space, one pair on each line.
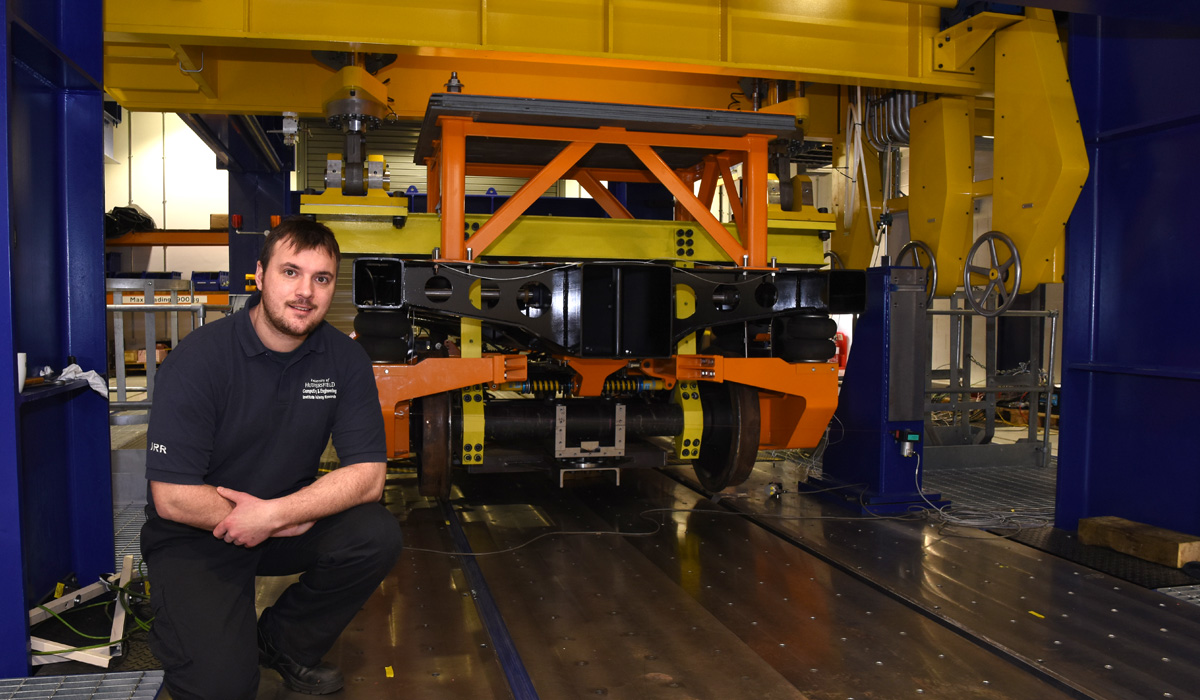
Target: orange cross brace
683,195
725,162
708,182
602,195
516,205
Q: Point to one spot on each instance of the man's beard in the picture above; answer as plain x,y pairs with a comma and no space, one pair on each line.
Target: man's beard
281,325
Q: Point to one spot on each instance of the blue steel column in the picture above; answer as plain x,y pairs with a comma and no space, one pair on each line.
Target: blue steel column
1131,345
55,483
89,480
256,197
882,399
13,633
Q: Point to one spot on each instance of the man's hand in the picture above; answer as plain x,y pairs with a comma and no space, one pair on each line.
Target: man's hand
293,530
251,521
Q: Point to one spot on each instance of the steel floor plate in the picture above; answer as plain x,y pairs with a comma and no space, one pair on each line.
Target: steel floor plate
705,603
1084,630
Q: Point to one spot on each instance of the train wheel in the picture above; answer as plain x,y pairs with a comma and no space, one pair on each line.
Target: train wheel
433,472
729,443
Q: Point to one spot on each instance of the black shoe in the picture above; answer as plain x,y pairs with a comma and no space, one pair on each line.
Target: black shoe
321,679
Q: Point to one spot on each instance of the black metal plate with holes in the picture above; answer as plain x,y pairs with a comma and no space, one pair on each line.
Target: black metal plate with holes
597,309
586,115
725,296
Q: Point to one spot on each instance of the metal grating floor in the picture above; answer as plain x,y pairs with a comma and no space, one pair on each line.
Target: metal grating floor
1031,490
996,488
1188,594
132,685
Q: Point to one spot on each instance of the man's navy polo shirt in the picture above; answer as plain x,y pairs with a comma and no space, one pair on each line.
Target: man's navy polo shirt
229,412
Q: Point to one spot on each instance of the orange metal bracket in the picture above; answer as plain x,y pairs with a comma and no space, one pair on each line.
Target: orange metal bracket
399,384
592,373
796,401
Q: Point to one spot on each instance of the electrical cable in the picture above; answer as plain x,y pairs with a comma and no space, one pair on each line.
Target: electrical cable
982,519
123,593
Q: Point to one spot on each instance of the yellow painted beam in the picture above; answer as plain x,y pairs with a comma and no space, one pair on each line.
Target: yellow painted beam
192,64
567,239
636,51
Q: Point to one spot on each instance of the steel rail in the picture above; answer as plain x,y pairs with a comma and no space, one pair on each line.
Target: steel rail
489,613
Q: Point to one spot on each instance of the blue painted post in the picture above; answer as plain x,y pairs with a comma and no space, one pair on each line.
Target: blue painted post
13,628
55,483
881,405
1131,370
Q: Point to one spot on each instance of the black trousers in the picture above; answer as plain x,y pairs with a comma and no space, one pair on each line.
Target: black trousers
202,593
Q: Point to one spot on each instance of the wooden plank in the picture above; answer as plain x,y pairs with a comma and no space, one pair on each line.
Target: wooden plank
1143,541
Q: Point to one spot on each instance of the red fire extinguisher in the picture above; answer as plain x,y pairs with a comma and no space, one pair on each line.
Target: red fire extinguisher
842,342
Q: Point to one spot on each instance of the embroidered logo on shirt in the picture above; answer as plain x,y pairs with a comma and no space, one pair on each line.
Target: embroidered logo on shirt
155,447
319,389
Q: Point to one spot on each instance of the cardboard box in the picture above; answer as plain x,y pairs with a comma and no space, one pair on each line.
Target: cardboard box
218,222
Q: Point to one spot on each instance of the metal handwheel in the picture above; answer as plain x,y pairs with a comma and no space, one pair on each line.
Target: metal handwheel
999,279
915,249
835,260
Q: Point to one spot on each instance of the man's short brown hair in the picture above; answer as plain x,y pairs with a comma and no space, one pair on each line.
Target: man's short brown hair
303,234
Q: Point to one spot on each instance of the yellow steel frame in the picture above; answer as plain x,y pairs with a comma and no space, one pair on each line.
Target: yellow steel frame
941,184
561,238
253,56
1040,161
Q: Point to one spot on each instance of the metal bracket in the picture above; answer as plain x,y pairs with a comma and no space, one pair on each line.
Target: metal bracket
198,70
588,448
473,424
954,50
687,443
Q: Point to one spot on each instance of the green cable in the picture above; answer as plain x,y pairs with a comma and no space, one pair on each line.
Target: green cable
71,627
143,625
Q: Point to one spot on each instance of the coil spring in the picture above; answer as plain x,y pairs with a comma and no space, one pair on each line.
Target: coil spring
543,386
613,386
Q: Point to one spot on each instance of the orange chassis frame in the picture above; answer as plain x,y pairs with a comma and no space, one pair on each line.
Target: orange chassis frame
796,401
